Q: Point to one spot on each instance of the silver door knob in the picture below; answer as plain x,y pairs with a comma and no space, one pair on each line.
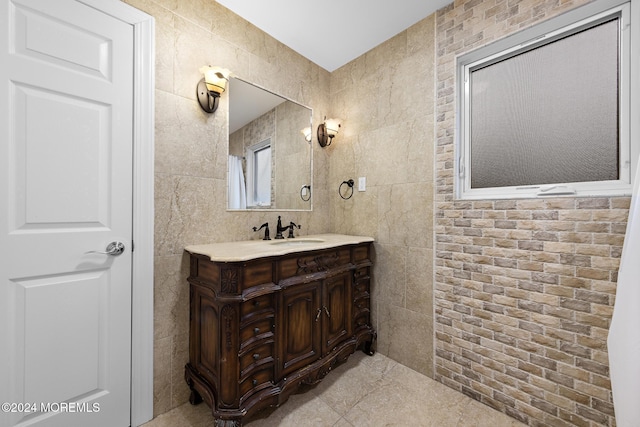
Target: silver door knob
113,249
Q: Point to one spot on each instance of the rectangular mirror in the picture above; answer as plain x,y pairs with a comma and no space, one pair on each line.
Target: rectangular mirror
270,160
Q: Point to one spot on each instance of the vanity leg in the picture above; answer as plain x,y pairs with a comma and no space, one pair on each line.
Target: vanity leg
368,348
194,397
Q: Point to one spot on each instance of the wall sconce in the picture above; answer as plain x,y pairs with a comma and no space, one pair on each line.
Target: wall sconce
211,87
307,134
327,130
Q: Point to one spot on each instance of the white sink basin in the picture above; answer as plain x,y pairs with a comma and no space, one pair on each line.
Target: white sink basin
296,242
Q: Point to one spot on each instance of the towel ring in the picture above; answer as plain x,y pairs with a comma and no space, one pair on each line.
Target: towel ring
349,183
308,187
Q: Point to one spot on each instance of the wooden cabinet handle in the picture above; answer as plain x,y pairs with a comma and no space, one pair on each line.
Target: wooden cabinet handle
318,315
326,310
256,356
254,382
256,331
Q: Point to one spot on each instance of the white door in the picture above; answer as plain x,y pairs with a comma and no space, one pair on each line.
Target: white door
66,73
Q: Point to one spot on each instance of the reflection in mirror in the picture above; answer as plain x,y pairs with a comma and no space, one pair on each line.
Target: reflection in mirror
269,158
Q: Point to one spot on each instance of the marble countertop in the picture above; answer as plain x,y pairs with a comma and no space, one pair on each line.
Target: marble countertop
252,249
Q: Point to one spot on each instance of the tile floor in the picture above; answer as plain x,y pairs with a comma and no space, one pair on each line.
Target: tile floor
364,391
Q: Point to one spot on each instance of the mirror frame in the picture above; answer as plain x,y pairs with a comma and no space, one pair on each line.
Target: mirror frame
310,143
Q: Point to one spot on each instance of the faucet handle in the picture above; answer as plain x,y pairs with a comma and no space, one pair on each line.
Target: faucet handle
266,230
291,227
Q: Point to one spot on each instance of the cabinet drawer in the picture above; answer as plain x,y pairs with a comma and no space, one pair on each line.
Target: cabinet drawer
256,307
257,273
258,380
361,253
322,261
255,357
259,329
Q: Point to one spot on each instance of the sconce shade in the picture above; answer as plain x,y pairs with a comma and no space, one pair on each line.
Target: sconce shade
216,78
211,87
327,130
307,134
332,126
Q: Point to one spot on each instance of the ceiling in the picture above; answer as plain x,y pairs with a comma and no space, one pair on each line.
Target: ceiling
331,33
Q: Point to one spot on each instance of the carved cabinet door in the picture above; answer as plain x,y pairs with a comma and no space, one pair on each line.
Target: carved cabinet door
336,311
299,327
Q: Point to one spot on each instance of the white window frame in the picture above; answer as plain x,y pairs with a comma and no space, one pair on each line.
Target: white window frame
251,173
539,35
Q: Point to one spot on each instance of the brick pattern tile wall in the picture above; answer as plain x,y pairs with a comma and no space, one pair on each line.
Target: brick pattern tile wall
524,289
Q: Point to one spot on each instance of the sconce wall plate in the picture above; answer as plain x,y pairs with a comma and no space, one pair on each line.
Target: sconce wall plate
327,130
323,138
208,100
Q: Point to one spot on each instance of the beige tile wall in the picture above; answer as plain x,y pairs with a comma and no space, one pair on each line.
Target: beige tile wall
524,289
386,101
191,162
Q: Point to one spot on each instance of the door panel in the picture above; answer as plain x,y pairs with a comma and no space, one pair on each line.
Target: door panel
66,189
78,161
299,327
337,299
53,334
77,49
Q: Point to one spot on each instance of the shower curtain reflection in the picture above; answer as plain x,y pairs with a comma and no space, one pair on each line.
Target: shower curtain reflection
237,190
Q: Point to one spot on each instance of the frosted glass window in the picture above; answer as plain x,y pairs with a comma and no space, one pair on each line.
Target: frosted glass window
549,116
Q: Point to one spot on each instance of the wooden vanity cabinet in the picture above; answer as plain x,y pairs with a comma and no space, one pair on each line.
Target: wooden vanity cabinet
261,328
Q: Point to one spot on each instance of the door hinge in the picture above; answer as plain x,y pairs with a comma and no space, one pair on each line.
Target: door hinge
132,246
